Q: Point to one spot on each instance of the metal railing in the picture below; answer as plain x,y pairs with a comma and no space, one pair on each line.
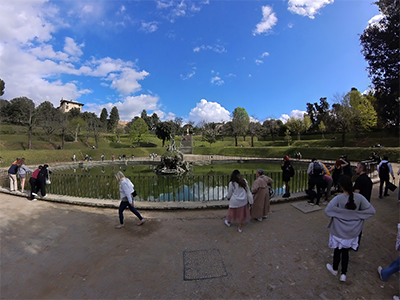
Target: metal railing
165,188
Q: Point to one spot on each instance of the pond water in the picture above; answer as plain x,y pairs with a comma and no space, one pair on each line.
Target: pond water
202,183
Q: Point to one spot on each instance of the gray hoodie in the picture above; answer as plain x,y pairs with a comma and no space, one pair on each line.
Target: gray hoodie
346,223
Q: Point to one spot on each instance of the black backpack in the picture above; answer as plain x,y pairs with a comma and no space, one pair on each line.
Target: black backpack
384,169
290,170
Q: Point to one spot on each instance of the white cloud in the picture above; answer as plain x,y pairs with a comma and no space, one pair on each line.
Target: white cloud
268,21
149,27
217,80
290,25
209,112
297,114
265,54
127,81
375,19
216,48
189,75
307,8
176,9
129,107
72,48
259,62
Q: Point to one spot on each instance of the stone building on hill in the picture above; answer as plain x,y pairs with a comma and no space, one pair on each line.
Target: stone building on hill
67,105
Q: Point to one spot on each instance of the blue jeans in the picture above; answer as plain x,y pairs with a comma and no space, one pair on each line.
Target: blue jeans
393,268
122,206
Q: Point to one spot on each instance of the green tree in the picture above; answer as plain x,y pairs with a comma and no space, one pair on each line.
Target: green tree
75,125
322,128
288,138
297,125
318,112
103,119
2,87
22,111
164,131
154,121
255,130
113,120
4,110
272,127
240,123
380,47
138,129
209,132
48,118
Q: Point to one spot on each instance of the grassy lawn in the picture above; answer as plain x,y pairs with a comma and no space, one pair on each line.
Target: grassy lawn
14,143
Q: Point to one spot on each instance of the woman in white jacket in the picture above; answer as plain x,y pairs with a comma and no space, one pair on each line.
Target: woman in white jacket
239,210
348,212
125,190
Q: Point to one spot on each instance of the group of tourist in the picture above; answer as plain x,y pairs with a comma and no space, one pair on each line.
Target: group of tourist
37,180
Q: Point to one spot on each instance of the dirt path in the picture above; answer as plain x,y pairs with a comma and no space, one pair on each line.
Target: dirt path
57,251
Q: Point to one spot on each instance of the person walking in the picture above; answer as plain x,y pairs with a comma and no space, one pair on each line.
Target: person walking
126,188
260,208
384,170
12,174
348,212
287,172
238,210
22,170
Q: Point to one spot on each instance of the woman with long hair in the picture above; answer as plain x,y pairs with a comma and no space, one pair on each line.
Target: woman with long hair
22,170
348,212
239,210
126,189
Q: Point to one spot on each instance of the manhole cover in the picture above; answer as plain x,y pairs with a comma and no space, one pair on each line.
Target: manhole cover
203,264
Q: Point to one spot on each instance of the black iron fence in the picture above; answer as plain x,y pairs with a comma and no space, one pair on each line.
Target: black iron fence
164,188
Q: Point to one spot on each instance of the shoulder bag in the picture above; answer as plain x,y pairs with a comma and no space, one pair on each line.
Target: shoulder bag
249,196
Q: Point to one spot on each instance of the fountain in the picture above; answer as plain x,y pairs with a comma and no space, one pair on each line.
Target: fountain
172,162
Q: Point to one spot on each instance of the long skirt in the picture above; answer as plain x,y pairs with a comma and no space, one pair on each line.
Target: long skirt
239,214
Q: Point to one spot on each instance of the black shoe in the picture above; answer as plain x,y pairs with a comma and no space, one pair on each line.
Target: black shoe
310,202
287,195
380,197
385,195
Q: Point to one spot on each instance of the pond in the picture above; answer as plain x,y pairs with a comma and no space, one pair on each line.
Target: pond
203,183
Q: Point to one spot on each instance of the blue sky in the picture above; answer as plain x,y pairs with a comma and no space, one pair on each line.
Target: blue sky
196,60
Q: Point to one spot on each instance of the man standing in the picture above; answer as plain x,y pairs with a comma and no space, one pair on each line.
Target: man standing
384,169
363,184
316,171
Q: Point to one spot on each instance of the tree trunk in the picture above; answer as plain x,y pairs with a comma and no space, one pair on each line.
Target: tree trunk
63,140
252,141
30,137
298,136
235,141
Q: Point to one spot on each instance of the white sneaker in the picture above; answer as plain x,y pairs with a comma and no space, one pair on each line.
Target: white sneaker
343,278
396,297
227,223
330,269
34,194
264,217
240,230
379,272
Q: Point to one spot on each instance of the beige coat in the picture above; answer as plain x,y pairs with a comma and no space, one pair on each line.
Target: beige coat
260,191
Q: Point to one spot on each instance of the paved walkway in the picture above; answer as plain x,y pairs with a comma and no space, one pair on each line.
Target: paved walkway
60,251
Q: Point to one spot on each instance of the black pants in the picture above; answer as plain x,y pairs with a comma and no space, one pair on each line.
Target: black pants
312,182
344,252
32,181
382,181
122,206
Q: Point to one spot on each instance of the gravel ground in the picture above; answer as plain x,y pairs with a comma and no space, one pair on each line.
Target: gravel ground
60,251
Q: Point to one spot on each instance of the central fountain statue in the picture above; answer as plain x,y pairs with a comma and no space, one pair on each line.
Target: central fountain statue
172,161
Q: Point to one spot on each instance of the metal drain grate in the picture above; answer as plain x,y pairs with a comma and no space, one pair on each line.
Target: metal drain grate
203,264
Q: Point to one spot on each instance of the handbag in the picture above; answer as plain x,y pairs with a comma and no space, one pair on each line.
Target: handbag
48,178
250,198
391,186
271,192
134,194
